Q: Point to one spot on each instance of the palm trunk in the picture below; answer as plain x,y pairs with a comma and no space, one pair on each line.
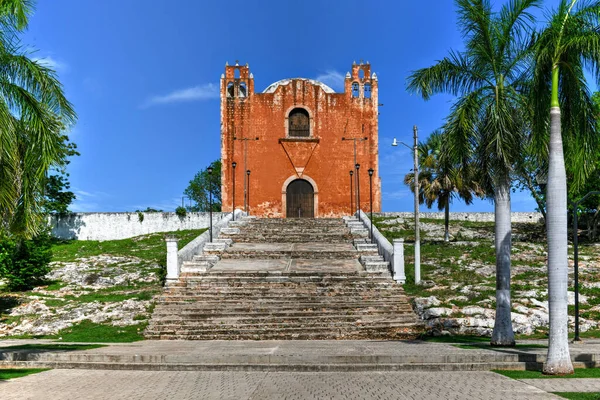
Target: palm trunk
503,334
559,359
446,220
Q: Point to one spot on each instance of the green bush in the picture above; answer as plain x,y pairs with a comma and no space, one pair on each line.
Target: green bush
181,212
24,263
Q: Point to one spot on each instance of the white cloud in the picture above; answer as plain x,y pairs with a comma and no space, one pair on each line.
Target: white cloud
332,78
164,205
87,201
52,63
201,92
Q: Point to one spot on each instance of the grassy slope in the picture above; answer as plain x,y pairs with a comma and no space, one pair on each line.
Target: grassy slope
150,249
444,263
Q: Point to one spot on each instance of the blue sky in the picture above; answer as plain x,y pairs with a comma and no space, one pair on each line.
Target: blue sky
144,74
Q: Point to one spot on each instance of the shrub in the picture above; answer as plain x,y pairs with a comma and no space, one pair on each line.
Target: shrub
181,212
24,263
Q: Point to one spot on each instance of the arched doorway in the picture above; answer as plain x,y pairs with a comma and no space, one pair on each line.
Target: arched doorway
300,199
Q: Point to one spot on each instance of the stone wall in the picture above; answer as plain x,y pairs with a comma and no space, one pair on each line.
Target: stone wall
115,226
533,217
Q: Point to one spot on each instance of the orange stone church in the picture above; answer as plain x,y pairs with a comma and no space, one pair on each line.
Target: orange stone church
295,145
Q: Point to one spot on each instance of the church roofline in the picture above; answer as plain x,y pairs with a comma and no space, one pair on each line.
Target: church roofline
273,86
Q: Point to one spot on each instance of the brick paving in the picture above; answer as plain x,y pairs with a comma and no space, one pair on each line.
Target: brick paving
132,385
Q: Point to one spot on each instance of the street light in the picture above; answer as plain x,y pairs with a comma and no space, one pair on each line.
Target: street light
371,199
248,193
351,193
416,177
357,166
210,171
576,259
233,165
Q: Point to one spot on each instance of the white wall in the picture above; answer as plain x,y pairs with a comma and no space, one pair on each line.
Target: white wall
533,217
114,226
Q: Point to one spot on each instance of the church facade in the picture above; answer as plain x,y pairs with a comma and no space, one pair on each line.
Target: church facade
292,149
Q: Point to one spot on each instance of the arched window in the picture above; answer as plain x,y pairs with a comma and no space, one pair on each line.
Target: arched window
367,89
355,89
230,90
299,123
361,73
243,90
236,73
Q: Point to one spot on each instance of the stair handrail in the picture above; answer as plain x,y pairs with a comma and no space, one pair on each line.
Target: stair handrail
175,257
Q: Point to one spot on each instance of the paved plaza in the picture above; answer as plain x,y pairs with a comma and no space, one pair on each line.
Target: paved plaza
147,385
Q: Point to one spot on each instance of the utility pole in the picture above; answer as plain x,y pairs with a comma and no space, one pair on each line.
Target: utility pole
415,150
356,184
245,140
417,230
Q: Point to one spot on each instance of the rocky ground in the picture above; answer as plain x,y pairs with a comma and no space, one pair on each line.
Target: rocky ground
458,291
109,284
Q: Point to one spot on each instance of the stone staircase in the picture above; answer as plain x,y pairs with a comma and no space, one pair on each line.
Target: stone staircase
268,279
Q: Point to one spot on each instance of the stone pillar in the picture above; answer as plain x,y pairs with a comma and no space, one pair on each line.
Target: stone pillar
172,259
398,264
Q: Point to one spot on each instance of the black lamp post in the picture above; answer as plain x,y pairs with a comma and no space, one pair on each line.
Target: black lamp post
576,259
210,171
248,193
351,193
371,199
233,165
357,166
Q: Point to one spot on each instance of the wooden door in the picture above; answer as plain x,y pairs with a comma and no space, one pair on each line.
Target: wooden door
300,199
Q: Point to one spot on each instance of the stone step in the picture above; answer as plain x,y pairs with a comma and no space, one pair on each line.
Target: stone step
367,247
224,240
230,230
210,258
180,312
293,254
348,324
195,266
351,331
377,266
212,247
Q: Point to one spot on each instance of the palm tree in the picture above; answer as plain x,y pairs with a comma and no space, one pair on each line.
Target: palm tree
568,45
33,113
440,181
488,121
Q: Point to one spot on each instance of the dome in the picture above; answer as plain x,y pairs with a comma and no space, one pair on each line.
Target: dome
273,86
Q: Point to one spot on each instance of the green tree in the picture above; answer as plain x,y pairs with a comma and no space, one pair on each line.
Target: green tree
57,196
440,181
568,44
488,122
33,113
204,184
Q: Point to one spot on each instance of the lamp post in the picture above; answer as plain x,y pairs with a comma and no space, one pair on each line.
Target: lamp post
576,260
248,192
210,171
351,193
245,141
233,165
415,149
371,199
357,166
354,140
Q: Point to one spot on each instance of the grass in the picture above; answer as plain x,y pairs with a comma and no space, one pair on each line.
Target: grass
456,339
51,347
148,247
579,373
487,346
578,395
11,373
87,331
111,297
